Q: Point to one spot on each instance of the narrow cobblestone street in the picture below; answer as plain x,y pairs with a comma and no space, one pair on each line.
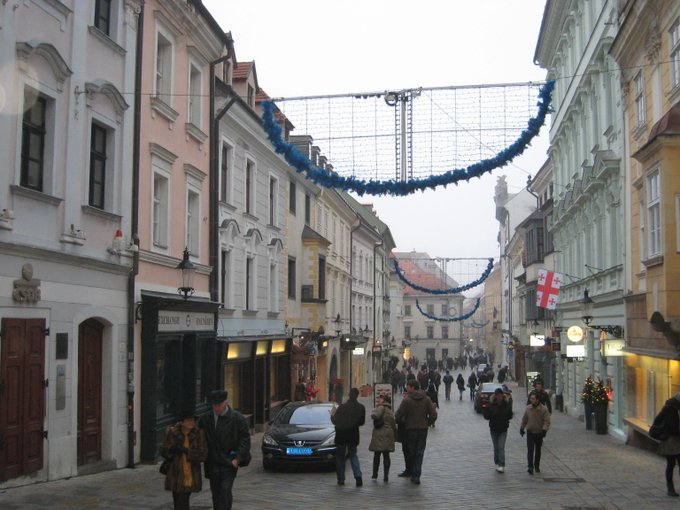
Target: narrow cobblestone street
579,470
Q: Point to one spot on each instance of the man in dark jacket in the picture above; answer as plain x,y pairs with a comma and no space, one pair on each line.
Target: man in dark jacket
417,413
347,418
499,414
228,437
448,381
543,396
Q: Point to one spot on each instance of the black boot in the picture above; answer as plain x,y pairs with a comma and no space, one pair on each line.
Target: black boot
671,489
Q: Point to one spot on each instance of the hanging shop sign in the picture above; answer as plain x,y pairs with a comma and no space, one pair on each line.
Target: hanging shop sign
575,333
614,347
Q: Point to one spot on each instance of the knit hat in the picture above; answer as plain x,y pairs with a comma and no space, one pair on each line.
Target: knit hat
677,396
498,391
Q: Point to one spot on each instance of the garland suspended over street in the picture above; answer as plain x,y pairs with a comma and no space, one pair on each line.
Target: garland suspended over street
451,290
450,319
395,187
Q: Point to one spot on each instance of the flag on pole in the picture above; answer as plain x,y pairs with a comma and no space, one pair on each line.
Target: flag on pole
548,289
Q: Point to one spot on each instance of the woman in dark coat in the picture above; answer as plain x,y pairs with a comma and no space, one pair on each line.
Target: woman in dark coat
185,444
460,382
382,439
670,448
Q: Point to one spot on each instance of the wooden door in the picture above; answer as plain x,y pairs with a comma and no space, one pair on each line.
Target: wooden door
89,392
22,397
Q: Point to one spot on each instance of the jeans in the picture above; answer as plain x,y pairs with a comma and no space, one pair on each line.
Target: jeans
498,440
417,440
534,443
221,483
341,458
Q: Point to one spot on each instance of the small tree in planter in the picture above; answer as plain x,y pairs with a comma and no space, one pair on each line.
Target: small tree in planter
587,399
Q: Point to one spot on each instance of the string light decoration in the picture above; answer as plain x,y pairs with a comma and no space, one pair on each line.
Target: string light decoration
397,143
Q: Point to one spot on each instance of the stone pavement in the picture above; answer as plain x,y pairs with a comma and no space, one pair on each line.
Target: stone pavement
579,470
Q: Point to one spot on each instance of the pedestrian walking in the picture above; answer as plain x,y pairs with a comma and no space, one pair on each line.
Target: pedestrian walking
460,382
347,418
536,422
499,414
417,413
433,394
668,422
382,438
472,384
448,381
543,396
502,374
228,437
185,445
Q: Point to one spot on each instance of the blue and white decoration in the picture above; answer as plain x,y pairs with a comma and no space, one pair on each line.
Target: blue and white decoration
452,290
450,319
303,165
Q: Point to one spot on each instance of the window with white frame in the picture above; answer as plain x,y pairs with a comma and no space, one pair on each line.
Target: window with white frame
642,241
34,134
98,166
430,331
273,287
273,200
291,198
226,279
308,209
163,71
653,214
250,187
225,172
250,284
193,223
160,217
102,15
445,331
639,86
675,53
291,277
195,96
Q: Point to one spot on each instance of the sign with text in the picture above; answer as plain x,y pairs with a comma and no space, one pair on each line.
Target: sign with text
614,347
170,320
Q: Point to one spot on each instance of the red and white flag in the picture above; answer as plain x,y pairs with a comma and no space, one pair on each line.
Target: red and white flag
548,289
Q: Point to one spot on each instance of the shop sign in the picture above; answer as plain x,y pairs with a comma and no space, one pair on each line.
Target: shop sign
575,333
614,347
170,320
576,351
536,340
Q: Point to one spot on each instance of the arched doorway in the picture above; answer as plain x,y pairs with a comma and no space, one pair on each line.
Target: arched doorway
90,335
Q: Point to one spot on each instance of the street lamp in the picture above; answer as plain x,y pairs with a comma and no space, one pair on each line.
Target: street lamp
586,308
187,269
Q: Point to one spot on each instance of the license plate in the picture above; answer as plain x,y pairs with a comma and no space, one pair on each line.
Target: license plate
299,451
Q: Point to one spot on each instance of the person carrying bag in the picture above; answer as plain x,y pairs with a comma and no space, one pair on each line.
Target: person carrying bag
666,427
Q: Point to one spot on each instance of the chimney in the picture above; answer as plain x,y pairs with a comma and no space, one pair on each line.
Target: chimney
302,143
316,155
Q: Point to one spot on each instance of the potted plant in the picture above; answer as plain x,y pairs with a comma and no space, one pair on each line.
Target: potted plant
600,399
587,399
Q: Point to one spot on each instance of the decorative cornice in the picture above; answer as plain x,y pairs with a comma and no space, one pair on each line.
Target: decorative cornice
191,171
109,90
161,152
61,70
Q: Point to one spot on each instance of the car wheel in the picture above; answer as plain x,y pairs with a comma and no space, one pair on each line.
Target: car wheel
268,465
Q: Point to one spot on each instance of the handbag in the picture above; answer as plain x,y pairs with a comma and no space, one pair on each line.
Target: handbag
165,466
658,432
379,422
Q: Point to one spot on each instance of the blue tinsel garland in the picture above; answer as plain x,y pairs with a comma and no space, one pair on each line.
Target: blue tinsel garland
450,319
397,187
451,290
478,325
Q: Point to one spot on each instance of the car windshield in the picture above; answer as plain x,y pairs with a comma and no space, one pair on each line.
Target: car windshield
489,388
307,415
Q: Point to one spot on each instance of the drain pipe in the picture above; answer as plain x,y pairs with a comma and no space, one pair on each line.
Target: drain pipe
134,239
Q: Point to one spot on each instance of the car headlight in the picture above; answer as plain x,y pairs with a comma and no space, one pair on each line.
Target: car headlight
330,440
269,440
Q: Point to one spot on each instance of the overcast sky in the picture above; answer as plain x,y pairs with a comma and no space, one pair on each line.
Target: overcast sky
317,47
